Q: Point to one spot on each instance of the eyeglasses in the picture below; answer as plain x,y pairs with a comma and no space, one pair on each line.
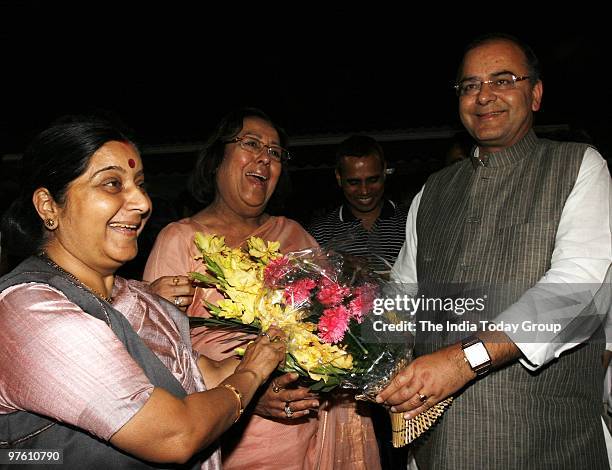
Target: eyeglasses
256,146
502,82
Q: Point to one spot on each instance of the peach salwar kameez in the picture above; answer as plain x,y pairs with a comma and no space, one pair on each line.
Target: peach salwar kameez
338,438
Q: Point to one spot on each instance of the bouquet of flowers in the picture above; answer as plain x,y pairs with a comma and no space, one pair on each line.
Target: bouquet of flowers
323,302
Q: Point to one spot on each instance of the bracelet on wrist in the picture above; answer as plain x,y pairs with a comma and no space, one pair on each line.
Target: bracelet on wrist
238,396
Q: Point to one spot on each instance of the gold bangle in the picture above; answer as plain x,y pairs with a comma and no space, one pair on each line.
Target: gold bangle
238,395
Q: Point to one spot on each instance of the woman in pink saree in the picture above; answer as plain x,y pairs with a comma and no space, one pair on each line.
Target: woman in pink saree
92,365
290,428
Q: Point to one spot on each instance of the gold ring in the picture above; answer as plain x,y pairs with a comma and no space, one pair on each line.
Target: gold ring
275,387
175,280
422,397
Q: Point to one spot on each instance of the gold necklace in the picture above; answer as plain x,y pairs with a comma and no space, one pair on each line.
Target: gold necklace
72,277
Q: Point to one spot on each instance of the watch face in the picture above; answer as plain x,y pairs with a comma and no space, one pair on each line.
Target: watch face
476,354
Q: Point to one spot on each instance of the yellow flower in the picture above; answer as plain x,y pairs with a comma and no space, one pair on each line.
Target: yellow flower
238,259
209,244
270,314
343,361
246,281
258,249
229,309
317,377
240,276
307,358
312,354
246,300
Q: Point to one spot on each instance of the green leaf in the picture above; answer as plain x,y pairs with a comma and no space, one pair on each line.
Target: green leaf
292,365
328,369
205,278
322,386
214,267
214,309
223,323
318,386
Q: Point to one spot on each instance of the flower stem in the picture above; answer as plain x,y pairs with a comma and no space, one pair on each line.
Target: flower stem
365,351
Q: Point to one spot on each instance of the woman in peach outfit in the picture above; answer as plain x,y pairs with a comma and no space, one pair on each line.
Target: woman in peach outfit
240,168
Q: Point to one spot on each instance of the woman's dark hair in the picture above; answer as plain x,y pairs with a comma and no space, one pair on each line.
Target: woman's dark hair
533,64
201,183
56,157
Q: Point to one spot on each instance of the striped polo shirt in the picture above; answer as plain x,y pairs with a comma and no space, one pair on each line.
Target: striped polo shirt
341,231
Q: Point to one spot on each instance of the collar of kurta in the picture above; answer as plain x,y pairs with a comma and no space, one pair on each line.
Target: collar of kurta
507,156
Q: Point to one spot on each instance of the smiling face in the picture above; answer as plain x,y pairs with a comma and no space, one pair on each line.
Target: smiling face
246,180
362,180
105,210
498,119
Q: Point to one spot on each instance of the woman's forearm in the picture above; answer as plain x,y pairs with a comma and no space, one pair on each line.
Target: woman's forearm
215,372
169,429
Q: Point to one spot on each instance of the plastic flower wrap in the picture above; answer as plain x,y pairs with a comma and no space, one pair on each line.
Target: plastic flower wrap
322,300
329,307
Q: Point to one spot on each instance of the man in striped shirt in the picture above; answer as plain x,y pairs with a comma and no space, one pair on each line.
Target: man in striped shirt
367,224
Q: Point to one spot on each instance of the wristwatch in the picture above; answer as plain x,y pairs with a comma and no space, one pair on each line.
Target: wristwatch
476,355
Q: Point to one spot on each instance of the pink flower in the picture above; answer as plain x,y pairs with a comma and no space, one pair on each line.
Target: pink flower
333,324
362,301
298,292
356,309
276,270
331,293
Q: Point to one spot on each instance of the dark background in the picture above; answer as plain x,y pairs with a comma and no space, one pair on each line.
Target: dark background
172,70
171,76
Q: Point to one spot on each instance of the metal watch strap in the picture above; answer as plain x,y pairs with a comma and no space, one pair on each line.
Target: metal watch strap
480,369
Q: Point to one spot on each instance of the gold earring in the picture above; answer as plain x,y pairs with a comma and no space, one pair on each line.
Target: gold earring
50,223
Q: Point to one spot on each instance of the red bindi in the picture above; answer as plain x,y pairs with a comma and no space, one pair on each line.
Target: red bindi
132,163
